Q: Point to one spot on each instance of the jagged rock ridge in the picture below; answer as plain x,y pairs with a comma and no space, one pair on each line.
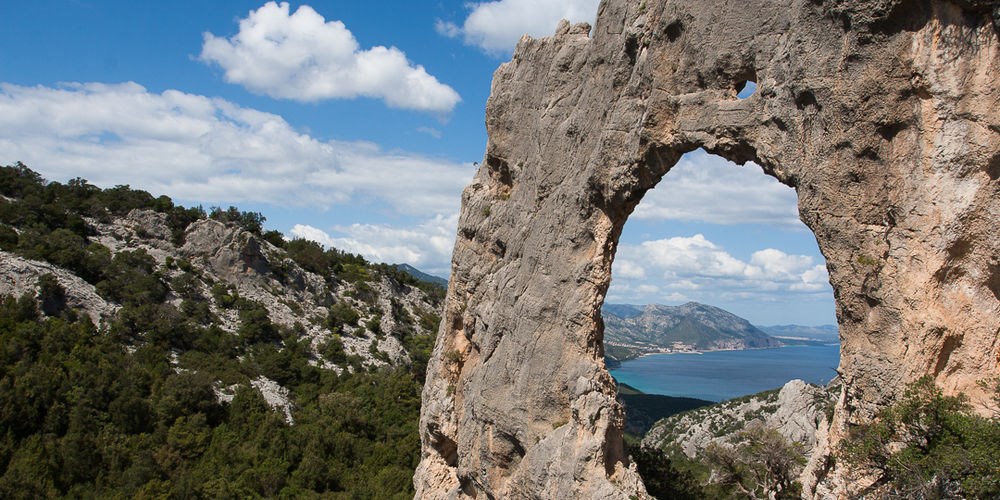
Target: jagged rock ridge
883,117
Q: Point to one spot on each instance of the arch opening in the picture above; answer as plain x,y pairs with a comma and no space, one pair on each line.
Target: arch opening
715,260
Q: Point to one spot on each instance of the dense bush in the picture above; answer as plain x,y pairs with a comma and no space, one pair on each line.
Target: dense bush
929,445
250,221
86,417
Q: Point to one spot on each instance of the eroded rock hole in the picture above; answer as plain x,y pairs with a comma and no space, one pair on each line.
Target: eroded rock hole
714,260
631,48
806,99
993,281
445,446
674,30
993,169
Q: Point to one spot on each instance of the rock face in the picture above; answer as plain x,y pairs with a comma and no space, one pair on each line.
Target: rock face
883,115
254,269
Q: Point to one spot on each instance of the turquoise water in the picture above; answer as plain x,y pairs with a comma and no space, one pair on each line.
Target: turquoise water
721,375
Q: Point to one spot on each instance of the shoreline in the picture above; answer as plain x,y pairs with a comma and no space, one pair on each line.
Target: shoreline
704,351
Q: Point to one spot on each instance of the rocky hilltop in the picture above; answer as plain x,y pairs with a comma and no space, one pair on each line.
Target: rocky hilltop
689,327
798,411
220,261
881,114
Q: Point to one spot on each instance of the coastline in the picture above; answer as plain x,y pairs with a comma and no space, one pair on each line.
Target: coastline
816,343
722,374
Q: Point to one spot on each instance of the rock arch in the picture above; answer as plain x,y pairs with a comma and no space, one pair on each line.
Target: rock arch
884,116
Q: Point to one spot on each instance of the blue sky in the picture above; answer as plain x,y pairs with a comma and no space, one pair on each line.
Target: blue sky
357,124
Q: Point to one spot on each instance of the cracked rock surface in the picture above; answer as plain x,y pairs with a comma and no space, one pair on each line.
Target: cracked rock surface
883,115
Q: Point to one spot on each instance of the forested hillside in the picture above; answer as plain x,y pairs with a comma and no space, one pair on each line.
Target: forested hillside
148,349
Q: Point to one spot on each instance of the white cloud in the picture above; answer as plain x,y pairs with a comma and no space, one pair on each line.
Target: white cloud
628,269
427,245
813,280
676,297
448,29
685,257
774,262
210,150
307,232
708,188
695,264
433,132
496,26
303,57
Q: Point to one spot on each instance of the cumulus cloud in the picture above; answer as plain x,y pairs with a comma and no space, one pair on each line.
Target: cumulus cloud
496,26
303,57
206,149
708,188
705,271
426,245
628,269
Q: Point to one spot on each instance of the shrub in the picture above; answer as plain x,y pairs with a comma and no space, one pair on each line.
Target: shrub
341,314
929,445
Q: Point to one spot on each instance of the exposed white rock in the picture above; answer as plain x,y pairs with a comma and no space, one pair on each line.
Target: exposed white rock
19,276
275,395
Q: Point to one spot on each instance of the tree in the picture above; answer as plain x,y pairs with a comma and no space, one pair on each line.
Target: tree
662,479
249,221
51,295
760,463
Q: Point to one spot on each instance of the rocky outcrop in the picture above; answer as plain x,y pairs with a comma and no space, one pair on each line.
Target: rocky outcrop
19,276
797,411
882,115
245,265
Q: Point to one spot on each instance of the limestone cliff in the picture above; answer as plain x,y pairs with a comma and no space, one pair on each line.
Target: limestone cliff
883,115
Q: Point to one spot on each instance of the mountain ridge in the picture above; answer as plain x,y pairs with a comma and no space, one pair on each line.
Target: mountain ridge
631,331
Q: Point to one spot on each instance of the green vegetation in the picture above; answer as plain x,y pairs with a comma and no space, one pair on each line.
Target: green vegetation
157,401
757,463
929,445
663,478
760,463
643,410
86,417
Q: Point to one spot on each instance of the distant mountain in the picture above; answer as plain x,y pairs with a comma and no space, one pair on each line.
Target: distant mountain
631,330
823,333
422,276
625,311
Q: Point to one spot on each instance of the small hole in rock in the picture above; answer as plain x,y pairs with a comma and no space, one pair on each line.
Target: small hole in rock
747,89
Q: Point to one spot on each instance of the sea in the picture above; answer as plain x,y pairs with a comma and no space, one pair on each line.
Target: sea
722,375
